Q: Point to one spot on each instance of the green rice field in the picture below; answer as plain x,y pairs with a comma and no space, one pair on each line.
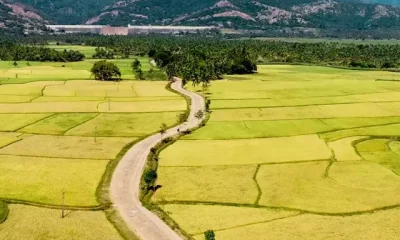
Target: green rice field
59,71
58,135
292,152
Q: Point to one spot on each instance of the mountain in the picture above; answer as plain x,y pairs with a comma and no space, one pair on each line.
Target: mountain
384,2
19,19
250,14
65,11
256,15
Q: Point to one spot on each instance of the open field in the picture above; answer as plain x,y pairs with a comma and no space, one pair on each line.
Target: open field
297,152
59,71
25,222
65,136
88,51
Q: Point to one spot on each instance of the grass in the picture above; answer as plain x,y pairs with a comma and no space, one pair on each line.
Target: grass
312,134
26,72
343,149
3,211
69,135
303,186
26,222
315,227
221,185
40,179
364,175
58,123
129,124
88,51
67,147
200,218
12,122
381,151
282,128
234,152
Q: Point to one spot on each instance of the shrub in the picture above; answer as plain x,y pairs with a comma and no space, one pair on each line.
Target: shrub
209,235
149,176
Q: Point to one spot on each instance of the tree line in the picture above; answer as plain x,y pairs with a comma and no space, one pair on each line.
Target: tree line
263,52
10,51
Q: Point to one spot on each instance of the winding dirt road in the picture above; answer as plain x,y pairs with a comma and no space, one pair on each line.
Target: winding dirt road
125,182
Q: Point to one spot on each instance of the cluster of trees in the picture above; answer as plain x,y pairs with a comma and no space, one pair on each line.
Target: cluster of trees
105,71
261,51
14,52
201,58
102,53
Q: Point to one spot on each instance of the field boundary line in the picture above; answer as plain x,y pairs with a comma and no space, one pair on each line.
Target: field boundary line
314,133
80,124
257,184
53,206
340,214
65,158
249,164
254,223
29,124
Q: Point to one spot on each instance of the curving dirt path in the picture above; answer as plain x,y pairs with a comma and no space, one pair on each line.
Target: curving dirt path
124,189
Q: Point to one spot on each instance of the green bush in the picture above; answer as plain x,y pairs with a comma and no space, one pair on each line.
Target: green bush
149,176
209,235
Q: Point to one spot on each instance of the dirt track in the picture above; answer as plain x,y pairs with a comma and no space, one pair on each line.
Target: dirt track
124,189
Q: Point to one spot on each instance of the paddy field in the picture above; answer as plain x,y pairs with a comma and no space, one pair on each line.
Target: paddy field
292,152
62,132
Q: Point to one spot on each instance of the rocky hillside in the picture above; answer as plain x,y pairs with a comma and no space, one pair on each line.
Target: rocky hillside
385,2
250,14
19,19
308,15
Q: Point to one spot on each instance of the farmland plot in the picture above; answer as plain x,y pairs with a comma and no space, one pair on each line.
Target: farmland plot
292,152
65,136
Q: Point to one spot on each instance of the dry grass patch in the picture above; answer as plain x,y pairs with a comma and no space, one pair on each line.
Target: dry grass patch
58,123
67,147
304,186
32,223
210,184
378,225
196,219
41,180
344,150
249,151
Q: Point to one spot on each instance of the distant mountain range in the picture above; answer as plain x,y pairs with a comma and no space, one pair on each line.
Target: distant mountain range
385,2
256,15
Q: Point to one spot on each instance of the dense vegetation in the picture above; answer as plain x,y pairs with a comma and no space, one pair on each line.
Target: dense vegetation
187,51
105,71
13,52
